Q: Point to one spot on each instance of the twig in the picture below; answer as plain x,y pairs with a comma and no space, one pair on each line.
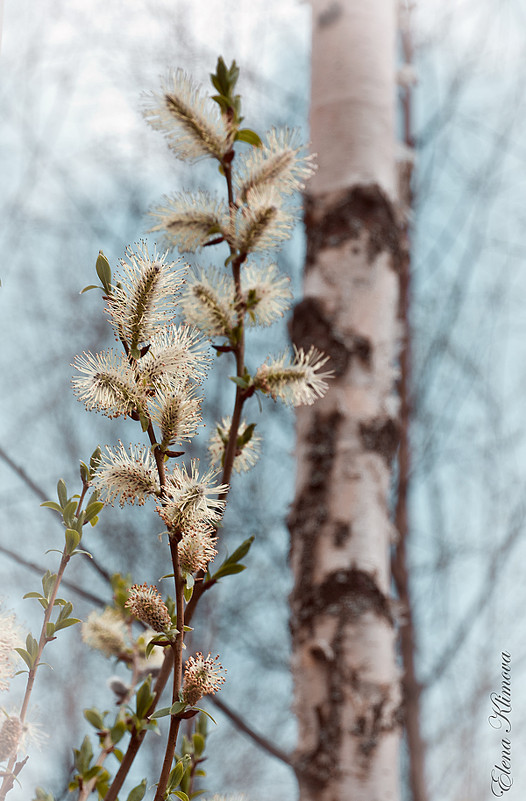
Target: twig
240,724
94,599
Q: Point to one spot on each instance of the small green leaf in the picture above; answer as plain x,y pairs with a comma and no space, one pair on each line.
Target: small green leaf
176,775
94,462
69,513
249,136
239,381
72,540
87,288
161,713
199,743
91,772
179,706
83,755
31,645
32,595
188,592
118,731
145,422
240,552
104,272
25,656
180,794
205,713
64,624
50,629
138,792
62,493
48,583
144,698
92,510
228,570
95,717
52,505
246,436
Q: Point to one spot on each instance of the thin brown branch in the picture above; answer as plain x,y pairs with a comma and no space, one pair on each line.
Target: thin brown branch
88,596
39,492
261,741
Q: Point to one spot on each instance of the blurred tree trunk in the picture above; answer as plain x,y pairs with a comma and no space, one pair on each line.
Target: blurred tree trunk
347,682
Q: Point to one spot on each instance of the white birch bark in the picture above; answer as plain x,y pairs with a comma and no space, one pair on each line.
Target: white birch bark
347,693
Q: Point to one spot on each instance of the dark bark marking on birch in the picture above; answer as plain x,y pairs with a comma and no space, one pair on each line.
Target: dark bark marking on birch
348,593
330,15
310,326
382,436
341,533
310,512
364,207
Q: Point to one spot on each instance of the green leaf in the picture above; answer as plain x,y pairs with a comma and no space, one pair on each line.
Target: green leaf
204,712
180,794
176,775
72,540
32,595
240,552
87,288
64,624
145,422
94,462
241,382
62,492
31,645
138,792
188,592
104,271
91,772
199,743
179,706
50,629
144,698
92,510
161,713
52,505
48,583
95,717
249,136
41,795
83,755
118,731
228,570
246,436
69,513
25,656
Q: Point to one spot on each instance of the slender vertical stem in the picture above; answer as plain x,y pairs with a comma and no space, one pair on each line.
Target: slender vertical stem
177,649
7,783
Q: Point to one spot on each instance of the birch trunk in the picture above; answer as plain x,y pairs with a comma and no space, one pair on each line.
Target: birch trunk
347,682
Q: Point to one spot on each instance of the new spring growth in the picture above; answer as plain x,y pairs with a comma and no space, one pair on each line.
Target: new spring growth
146,604
202,676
